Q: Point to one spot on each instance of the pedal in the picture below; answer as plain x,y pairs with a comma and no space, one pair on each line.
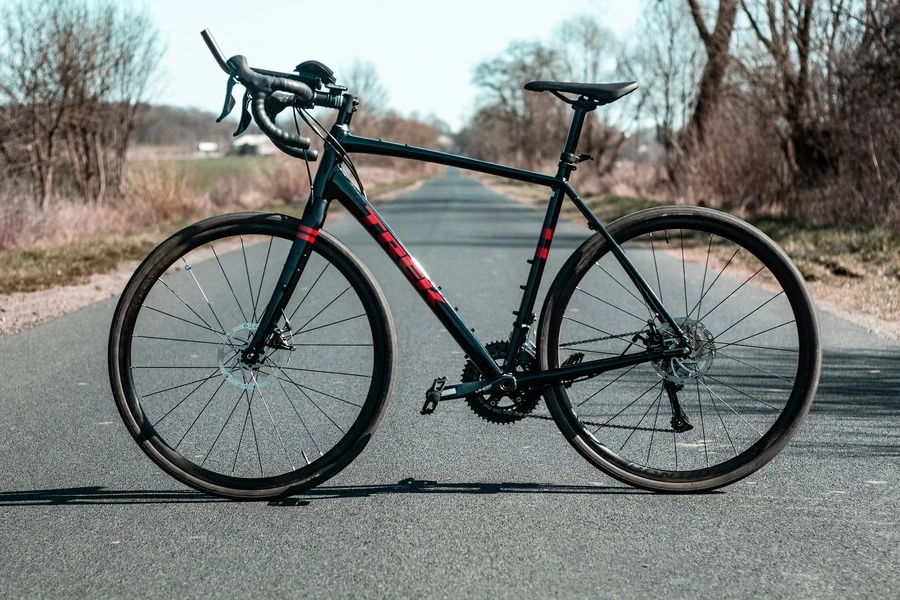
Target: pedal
573,359
433,395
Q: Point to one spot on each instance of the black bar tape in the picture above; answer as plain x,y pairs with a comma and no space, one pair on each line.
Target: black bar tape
279,135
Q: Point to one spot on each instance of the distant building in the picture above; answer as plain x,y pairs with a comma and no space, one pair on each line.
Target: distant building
208,149
252,145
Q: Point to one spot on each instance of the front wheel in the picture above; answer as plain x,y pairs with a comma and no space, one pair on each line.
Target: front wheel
691,423
282,423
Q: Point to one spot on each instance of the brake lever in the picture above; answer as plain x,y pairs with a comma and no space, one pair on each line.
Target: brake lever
229,100
245,116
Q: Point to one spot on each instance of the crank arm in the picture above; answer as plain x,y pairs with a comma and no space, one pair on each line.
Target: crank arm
502,384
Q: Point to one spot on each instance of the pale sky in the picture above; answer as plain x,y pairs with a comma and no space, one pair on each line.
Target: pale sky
424,51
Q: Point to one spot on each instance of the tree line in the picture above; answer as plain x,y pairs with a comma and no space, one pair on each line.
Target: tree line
785,107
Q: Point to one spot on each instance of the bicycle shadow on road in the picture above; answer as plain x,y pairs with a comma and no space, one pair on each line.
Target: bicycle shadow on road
419,486
97,495
94,495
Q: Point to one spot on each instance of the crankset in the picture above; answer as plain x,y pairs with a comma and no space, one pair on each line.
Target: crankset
499,407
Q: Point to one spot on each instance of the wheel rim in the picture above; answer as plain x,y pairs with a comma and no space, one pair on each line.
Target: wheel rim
250,424
743,383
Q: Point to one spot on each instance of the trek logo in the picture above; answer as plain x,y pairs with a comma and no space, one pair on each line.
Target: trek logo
408,264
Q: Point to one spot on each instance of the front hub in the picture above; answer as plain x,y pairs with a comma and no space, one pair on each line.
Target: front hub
246,370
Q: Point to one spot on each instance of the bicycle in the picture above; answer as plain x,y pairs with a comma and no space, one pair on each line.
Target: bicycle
665,382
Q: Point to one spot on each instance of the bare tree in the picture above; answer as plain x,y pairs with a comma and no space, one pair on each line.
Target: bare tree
35,89
587,52
522,125
716,41
73,79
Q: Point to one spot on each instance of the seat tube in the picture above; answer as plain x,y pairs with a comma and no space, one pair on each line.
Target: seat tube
525,315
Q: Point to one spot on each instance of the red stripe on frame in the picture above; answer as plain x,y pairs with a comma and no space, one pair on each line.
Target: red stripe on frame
541,253
307,234
547,234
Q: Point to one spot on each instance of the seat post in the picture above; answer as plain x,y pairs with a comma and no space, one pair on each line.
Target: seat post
567,159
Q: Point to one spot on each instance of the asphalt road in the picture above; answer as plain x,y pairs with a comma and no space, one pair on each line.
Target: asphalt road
443,506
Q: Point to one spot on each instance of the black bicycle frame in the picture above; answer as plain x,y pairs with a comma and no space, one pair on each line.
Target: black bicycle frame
331,183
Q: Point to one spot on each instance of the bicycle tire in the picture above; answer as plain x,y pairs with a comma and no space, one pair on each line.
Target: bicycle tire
290,422
754,367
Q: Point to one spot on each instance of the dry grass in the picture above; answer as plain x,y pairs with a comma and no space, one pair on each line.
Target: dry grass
71,241
854,271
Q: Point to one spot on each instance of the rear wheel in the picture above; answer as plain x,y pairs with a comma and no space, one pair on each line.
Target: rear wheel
706,420
195,404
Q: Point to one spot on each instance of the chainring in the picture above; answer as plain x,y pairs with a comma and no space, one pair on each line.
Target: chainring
500,408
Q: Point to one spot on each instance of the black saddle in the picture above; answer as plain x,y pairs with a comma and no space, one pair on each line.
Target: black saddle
596,93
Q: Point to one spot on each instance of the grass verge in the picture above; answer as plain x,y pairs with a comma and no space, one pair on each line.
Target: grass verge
854,270
46,266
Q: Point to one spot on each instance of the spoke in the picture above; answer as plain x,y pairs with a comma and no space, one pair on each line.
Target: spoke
326,372
202,293
734,389
330,324
722,420
760,369
620,376
684,274
709,289
751,312
196,314
756,334
653,430
143,396
709,389
636,427
240,443
703,427
278,433
314,403
703,284
611,419
200,414
773,348
321,393
733,292
205,327
656,266
618,308
191,393
173,367
341,345
261,278
253,300
167,339
302,422
228,281
309,291
224,425
324,309
641,301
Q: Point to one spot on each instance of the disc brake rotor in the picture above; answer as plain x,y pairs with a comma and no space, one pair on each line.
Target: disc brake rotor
239,374
697,363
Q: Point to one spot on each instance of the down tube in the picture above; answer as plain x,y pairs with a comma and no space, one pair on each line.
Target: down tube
360,208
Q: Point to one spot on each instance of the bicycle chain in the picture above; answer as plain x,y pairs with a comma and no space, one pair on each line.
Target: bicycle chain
529,415
621,336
